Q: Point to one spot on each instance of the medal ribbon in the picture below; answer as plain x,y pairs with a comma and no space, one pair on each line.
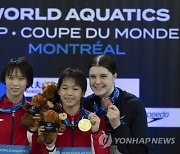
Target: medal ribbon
84,114
102,110
13,108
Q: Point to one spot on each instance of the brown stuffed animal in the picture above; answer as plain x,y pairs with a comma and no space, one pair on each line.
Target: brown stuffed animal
50,92
38,105
52,122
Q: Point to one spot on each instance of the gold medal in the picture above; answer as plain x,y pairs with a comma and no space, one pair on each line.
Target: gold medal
84,125
62,116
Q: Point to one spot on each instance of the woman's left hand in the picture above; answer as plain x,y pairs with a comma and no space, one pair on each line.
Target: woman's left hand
113,114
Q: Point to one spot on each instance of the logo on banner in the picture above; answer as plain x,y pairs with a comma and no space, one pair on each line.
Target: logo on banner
163,117
154,116
37,86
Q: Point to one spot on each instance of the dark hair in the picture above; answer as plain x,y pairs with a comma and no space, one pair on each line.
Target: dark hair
75,74
23,65
104,61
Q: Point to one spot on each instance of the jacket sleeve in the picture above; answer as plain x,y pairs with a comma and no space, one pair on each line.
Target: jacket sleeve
37,147
136,132
98,146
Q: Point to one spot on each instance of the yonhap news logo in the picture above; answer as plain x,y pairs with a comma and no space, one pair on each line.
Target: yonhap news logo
105,140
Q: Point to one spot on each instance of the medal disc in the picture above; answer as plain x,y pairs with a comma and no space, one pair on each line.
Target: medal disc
84,125
62,116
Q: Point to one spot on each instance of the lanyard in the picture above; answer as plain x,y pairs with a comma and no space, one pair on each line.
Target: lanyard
102,110
84,114
13,108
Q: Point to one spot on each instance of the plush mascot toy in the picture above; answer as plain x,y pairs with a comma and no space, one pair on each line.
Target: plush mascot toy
50,92
38,105
52,122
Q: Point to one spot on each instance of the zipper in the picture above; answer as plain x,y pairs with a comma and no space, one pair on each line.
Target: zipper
72,126
72,137
12,128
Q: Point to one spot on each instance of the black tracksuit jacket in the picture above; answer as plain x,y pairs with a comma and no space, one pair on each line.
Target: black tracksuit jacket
133,122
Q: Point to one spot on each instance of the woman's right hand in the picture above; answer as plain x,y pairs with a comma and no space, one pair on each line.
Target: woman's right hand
113,115
95,122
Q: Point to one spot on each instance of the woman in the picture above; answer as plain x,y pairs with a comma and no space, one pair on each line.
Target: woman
125,118
17,74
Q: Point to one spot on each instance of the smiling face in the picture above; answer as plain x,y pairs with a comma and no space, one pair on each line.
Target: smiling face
70,94
101,81
16,84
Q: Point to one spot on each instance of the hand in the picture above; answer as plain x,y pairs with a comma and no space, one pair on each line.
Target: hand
33,129
95,122
37,118
41,129
113,114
